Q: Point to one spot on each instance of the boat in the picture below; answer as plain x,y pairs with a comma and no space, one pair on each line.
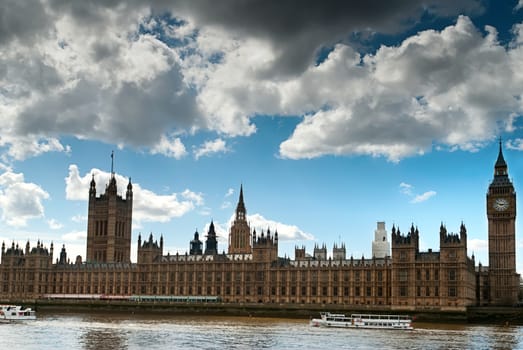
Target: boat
16,313
370,321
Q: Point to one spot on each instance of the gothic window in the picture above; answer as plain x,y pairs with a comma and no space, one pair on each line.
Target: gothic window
403,273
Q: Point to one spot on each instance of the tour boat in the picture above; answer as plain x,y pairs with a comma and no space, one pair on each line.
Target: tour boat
371,321
16,313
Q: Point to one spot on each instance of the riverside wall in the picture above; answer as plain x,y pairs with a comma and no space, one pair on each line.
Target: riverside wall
489,315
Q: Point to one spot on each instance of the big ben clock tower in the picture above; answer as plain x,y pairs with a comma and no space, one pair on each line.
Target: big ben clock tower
501,213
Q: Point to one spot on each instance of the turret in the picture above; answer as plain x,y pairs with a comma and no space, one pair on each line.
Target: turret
196,245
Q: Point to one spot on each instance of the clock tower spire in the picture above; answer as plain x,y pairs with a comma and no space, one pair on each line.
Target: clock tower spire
501,214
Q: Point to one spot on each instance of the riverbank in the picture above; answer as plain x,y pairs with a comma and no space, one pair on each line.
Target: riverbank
491,315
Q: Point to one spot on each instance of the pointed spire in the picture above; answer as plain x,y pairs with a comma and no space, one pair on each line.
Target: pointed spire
112,163
500,162
500,168
240,208
241,193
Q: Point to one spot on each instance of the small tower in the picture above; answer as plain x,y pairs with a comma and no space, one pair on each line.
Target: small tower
211,244
63,256
339,253
150,250
240,236
380,245
196,245
299,253
320,253
265,247
405,248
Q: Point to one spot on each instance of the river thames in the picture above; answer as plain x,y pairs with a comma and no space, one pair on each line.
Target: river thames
145,331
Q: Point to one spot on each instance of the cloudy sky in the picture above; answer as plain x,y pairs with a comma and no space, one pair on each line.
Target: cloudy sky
333,115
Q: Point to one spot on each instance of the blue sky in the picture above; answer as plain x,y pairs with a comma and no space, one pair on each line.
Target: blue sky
332,115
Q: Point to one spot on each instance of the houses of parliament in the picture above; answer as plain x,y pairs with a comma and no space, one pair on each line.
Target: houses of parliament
398,276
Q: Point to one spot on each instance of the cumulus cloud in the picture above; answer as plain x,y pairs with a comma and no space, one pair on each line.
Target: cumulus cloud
147,205
286,232
119,72
433,88
20,201
172,148
211,147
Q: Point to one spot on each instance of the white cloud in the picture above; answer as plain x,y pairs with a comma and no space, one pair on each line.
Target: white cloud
449,87
286,232
516,144
172,148
477,245
79,218
408,190
211,147
229,193
423,197
79,70
54,224
75,237
147,205
20,201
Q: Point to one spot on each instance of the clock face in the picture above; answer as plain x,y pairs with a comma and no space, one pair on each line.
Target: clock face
501,204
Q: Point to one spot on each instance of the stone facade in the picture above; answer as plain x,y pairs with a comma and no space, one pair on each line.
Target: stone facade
252,272
501,214
109,223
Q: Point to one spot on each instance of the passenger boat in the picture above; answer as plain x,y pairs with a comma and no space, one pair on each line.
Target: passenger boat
399,322
16,313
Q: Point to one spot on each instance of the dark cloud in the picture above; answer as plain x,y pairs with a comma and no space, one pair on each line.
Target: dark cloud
24,21
132,114
297,29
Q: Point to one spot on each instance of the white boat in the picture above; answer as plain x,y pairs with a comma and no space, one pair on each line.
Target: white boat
371,321
16,313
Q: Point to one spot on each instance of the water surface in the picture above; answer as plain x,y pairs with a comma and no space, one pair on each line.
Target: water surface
140,331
